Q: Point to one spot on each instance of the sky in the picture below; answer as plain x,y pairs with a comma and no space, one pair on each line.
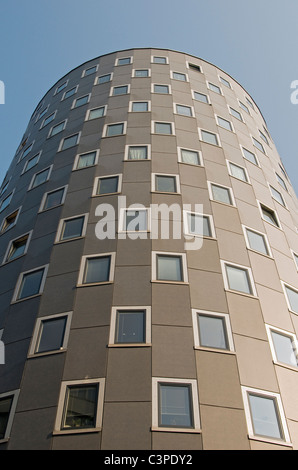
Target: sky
254,41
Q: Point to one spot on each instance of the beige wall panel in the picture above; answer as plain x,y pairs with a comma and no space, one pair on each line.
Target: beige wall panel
132,285
274,307
176,440
232,247
288,383
226,217
286,266
171,305
207,291
246,316
264,271
192,175
205,258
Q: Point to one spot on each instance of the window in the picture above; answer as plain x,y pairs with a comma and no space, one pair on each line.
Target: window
137,152
165,183
4,188
277,196
139,106
124,61
236,114
225,82
27,151
214,88
17,247
72,228
163,89
175,404
57,128
85,160
159,60
250,156
179,76
96,113
200,97
40,177
269,215
9,221
31,162
169,267
258,145
163,128
120,90
209,137
295,256
256,241
104,79
90,71
249,103
238,278
107,185
8,403
242,105
198,224
69,142
184,110
97,269
30,284
43,112
130,326
51,334
283,346
194,67
70,93
81,101
6,201
291,297
221,193
224,123
212,330
281,182
61,87
53,198
238,172
192,157
141,73
80,406
134,220
264,414
48,119
263,137
111,130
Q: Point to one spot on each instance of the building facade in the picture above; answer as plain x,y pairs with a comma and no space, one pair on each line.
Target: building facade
149,256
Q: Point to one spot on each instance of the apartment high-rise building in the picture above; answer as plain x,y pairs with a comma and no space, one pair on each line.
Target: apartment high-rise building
149,256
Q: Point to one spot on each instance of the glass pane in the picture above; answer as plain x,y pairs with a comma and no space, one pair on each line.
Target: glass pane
212,332
293,299
209,138
70,93
97,269
269,216
141,73
175,406
264,416
137,153
189,156
238,279
160,60
136,220
221,194
184,110
81,101
214,88
5,406
120,90
54,199
70,141
224,123
51,335
179,76
284,349
140,106
277,196
32,162
96,113
124,61
108,185
81,404
86,160
40,178
130,327
199,225
201,97
238,172
115,129
90,71
163,128
161,89
72,228
104,78
57,129
166,184
169,268
236,114
257,242
18,248
250,156
30,284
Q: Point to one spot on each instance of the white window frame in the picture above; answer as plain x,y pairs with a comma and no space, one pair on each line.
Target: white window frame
141,68
295,289
283,203
66,97
36,334
194,405
280,415
201,93
260,205
61,149
161,84
61,225
229,163
89,68
73,106
180,160
131,103
253,139
126,152
26,151
209,132
281,182
11,242
61,404
230,190
192,111
186,225
106,126
15,395
84,259
288,334
217,117
43,122
155,254
243,106
122,219
190,64
121,58
163,122
160,63
210,84
9,196
294,254
18,210
95,185
172,73
174,175
224,81
26,163
114,311
44,198
265,238
15,298
87,117
50,168
56,125
246,159
64,85
248,270
241,119
104,75
226,317
77,158
120,86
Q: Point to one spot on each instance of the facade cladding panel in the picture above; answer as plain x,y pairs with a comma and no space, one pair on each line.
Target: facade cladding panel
118,336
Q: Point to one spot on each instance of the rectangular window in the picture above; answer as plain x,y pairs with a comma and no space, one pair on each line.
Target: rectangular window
8,402
85,160
263,137
48,119
81,101
165,183
192,157
27,151
31,162
111,130
175,405
184,110
57,129
249,103
163,89
238,172
284,346
72,228
209,137
277,196
51,334
6,201
281,182
124,61
221,193
69,142
163,128
40,177
53,199
141,73
169,267
97,269
104,79
70,93
17,247
269,215
159,60
225,82
236,114
212,330
201,97
256,241
295,256
179,76
196,224
238,278
291,297
96,113
61,87
250,156
9,221
139,106
90,71
30,284
130,326
134,220
214,88
137,152
258,145
107,185
120,90
243,106
224,123
194,67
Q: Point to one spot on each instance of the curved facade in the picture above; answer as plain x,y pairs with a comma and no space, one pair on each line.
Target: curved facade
168,325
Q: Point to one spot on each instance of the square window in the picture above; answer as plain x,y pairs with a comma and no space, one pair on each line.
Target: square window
96,269
221,194
201,97
164,128
256,241
130,326
198,224
164,89
69,142
292,297
212,331
137,152
214,88
139,106
165,183
104,78
120,90
238,172
175,405
30,284
169,267
184,110
269,215
277,196
107,185
249,156
72,228
209,137
224,123
115,129
283,346
96,113
40,178
17,247
85,160
80,407
236,114
141,73
238,278
51,334
192,157
53,199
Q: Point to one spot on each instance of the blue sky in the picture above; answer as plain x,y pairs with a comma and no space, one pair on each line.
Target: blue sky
254,41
